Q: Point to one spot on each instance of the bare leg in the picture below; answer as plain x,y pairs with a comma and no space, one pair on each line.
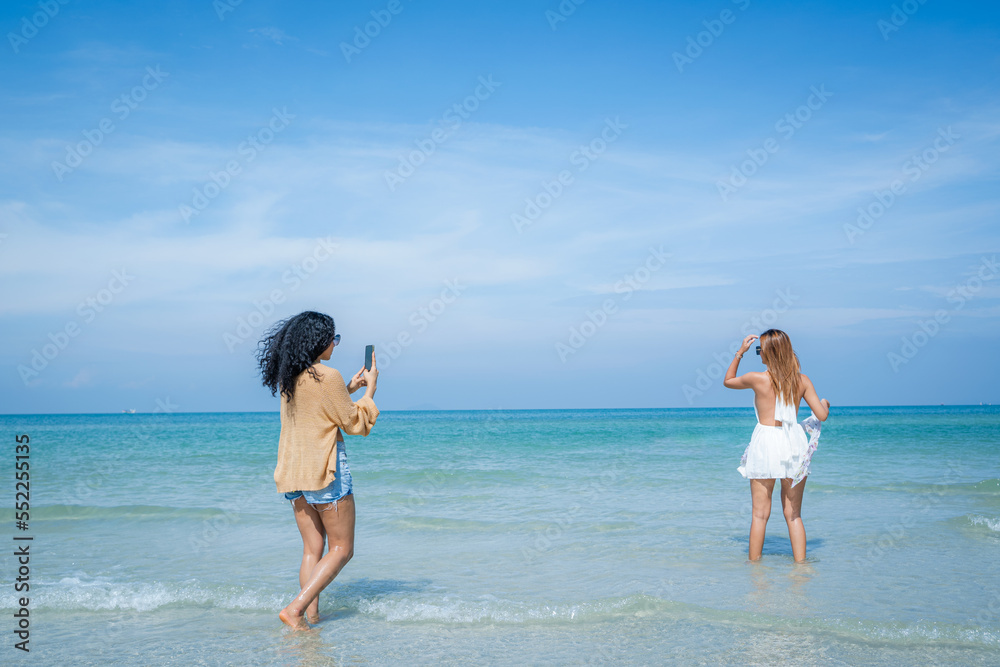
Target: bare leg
791,503
760,493
339,525
313,537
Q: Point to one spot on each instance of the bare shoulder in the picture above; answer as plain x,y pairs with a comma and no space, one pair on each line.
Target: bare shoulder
804,379
758,378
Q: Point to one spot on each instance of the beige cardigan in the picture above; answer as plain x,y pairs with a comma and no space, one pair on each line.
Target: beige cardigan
311,425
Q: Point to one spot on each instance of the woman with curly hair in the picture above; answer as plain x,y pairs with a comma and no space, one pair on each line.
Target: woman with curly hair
779,448
316,408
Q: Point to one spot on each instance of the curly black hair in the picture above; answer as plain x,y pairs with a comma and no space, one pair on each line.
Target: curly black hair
292,346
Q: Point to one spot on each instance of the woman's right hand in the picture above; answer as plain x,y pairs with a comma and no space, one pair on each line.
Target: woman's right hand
371,378
747,342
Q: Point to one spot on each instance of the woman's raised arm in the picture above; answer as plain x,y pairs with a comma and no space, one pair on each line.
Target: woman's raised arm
743,381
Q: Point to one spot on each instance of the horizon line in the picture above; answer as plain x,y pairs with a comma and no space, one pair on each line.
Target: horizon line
262,412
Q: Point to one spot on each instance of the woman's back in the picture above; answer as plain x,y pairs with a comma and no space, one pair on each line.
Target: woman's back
765,399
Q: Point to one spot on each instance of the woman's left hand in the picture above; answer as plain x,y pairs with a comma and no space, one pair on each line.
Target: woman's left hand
357,382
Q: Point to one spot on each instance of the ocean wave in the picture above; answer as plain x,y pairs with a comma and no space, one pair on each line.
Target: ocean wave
102,594
491,609
451,525
403,602
81,512
435,478
976,525
984,523
986,487
992,524
449,609
418,522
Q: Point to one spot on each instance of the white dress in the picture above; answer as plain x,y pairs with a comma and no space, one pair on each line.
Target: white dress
777,452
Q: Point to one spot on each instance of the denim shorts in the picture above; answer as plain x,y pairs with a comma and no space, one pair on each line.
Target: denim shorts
336,490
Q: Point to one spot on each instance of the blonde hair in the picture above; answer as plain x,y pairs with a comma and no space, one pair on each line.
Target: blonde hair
777,354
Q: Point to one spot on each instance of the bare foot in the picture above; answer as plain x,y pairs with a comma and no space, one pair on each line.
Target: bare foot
293,621
313,618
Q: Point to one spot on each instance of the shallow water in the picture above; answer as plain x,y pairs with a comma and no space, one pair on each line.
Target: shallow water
512,537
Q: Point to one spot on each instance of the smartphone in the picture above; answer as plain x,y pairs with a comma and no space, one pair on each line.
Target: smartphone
369,354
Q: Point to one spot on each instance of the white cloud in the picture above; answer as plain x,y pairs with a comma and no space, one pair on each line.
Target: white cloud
450,220
81,379
276,35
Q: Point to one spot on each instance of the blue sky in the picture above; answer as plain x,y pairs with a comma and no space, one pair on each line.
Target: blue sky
541,213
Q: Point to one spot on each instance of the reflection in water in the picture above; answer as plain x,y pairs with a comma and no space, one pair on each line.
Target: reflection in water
780,590
800,575
780,586
761,583
306,649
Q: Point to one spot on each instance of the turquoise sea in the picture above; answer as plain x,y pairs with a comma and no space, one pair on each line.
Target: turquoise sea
559,537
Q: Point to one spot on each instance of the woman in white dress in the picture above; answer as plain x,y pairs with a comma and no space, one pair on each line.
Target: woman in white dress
779,447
